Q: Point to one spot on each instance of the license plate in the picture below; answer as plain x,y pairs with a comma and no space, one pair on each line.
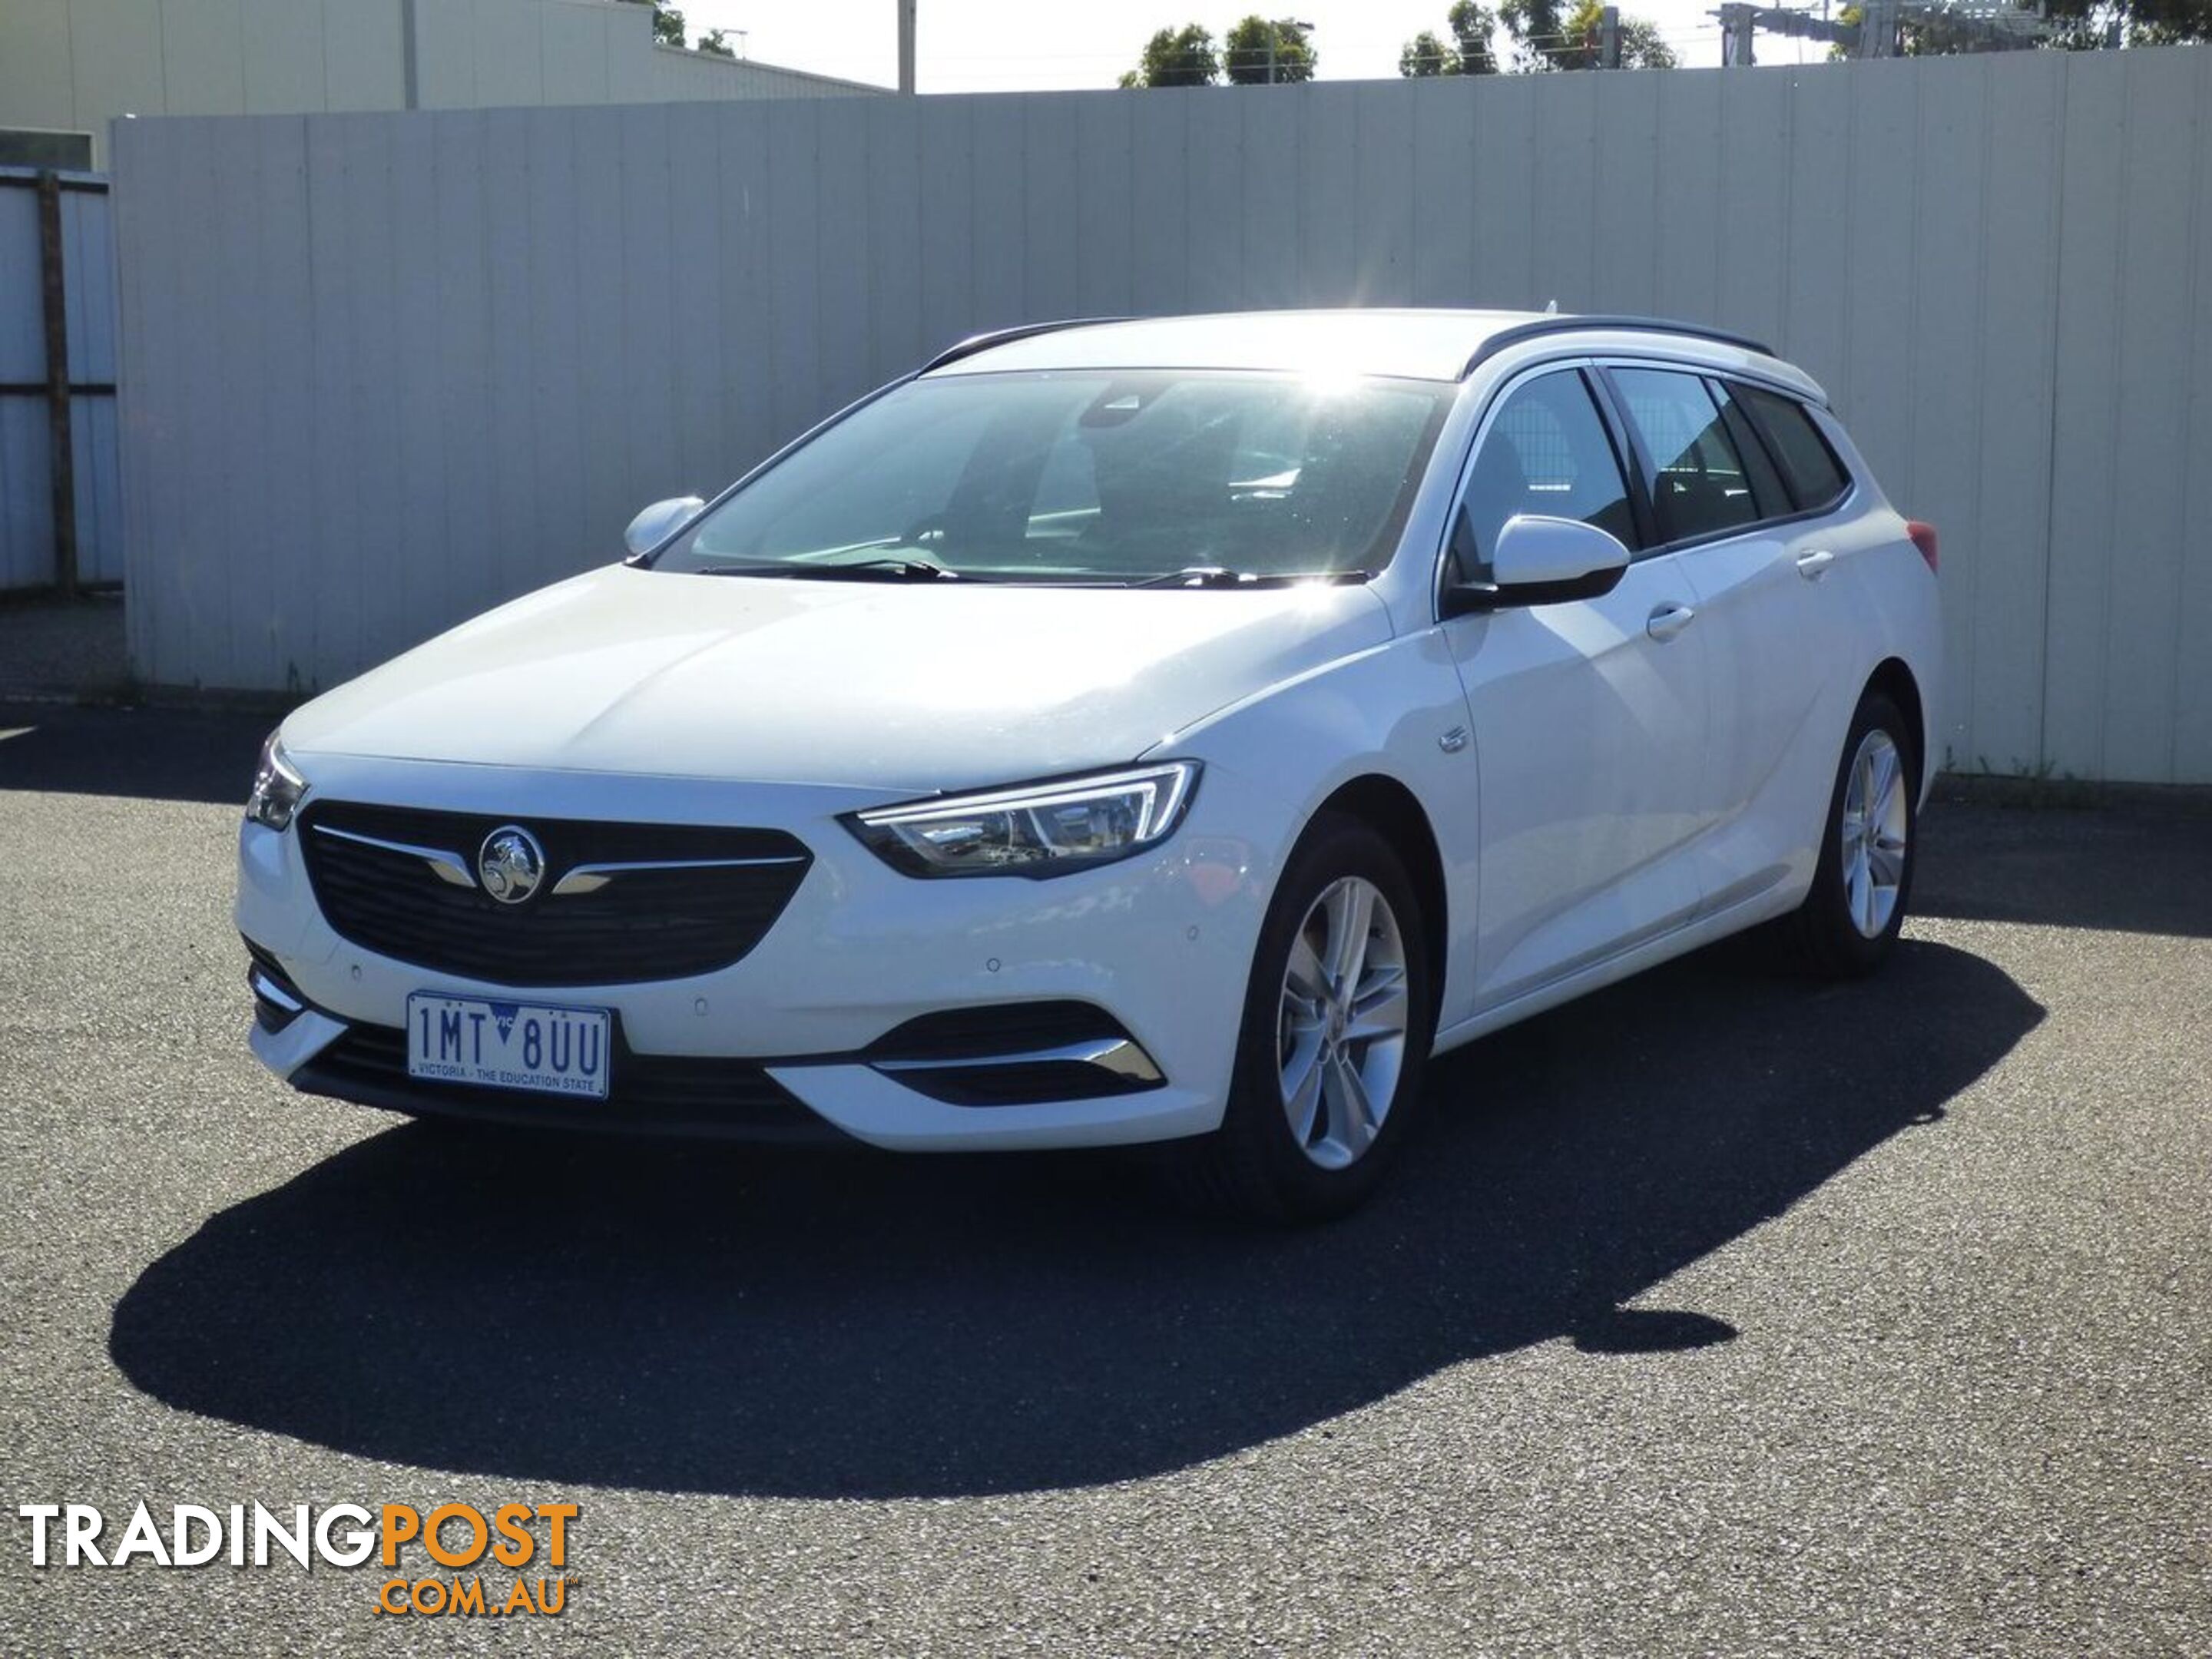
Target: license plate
507,1045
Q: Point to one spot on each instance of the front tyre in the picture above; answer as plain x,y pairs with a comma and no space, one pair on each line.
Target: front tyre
1337,1023
1851,919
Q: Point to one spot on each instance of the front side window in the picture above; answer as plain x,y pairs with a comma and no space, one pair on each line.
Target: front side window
1545,453
1100,477
1696,476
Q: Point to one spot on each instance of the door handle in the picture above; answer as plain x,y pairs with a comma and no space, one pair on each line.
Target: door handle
1670,620
1813,566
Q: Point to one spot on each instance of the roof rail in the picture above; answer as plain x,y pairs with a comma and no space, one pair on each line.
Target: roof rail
1567,322
999,336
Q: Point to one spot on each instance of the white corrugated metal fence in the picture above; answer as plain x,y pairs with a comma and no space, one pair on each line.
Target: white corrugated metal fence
381,370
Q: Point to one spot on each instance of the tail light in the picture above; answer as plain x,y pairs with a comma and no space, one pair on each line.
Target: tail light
1923,537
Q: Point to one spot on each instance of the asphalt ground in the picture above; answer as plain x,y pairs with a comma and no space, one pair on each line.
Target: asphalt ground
1718,1313
62,649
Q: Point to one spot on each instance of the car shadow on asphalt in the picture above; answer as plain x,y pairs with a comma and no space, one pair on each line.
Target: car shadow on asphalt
2142,867
578,1311
148,754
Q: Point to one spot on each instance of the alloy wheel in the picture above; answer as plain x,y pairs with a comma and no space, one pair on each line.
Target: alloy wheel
1875,827
1341,1033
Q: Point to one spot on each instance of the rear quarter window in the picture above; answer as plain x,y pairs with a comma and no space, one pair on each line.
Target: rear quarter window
1814,477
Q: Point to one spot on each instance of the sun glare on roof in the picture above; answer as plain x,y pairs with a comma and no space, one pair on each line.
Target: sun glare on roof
1329,371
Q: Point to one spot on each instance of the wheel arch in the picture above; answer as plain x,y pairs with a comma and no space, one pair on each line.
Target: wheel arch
1395,812
1895,680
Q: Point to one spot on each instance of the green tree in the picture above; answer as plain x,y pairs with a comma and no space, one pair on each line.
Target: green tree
1471,52
667,23
2091,23
1246,51
2076,25
1473,26
1424,55
1643,47
1177,57
1543,38
716,43
1537,30
1927,37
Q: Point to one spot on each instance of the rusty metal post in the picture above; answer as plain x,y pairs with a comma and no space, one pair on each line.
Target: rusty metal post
55,296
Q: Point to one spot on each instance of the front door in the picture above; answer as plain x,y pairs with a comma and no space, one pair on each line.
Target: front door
1589,716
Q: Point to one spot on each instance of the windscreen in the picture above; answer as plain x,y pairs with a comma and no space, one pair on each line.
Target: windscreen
1090,477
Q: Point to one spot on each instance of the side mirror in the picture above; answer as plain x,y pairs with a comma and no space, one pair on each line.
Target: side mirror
659,521
1541,561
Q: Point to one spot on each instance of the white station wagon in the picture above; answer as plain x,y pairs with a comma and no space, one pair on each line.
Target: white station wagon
1160,731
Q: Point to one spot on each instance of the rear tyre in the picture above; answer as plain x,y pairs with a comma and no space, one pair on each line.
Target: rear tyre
1850,921
1337,1024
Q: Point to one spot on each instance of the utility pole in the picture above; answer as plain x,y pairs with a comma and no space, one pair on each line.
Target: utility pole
1274,34
1736,34
906,30
1608,37
1878,30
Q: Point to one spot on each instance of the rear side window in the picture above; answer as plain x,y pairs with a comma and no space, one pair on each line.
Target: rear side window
1697,478
1816,478
1767,487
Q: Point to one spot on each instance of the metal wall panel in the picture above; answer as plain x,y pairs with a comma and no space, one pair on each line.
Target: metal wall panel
1996,596
27,517
88,292
27,513
279,44
2157,300
478,343
364,58
35,68
669,74
81,64
22,317
203,46
2193,700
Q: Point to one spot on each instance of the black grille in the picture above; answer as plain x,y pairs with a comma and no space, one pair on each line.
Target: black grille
661,1094
650,924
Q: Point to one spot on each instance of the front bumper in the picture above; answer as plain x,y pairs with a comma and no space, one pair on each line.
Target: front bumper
1162,944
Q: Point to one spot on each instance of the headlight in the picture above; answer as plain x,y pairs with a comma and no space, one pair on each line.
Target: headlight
277,787
1038,830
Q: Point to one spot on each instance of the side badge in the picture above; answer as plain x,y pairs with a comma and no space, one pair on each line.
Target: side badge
1453,740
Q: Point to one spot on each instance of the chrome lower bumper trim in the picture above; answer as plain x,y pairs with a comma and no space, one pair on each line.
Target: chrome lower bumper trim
1119,1056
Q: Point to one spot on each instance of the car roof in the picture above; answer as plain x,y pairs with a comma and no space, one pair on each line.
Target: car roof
1411,344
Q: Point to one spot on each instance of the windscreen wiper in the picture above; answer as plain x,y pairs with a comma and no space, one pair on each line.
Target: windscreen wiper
1214,575
884,569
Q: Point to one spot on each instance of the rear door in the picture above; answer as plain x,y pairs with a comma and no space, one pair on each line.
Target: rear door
1757,565
1589,715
